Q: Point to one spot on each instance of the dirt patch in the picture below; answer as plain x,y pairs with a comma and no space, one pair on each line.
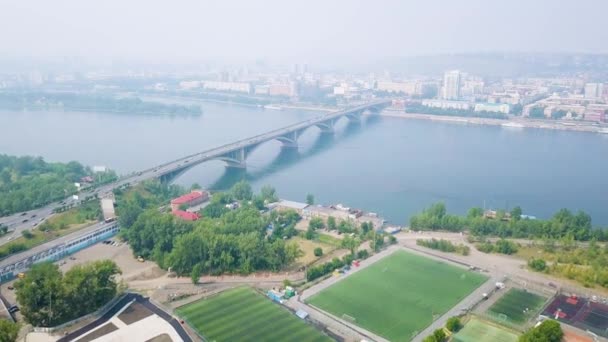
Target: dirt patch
121,254
308,247
103,330
570,336
133,313
160,338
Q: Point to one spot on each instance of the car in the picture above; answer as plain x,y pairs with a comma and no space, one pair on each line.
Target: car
24,221
13,309
10,287
24,213
33,215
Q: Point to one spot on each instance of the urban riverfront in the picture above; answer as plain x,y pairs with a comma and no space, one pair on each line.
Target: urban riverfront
394,167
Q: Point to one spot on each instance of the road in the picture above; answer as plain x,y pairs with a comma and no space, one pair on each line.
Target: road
21,221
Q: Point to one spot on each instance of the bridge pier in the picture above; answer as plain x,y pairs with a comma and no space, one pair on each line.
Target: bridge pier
289,140
327,127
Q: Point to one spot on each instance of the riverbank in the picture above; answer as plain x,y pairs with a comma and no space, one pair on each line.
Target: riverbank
516,123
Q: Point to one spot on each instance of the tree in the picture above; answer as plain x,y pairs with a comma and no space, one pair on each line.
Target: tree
331,223
316,223
242,191
318,251
48,298
27,234
537,264
351,243
392,239
547,331
453,324
310,233
475,212
310,199
195,186
439,335
268,193
516,213
196,273
8,331
537,112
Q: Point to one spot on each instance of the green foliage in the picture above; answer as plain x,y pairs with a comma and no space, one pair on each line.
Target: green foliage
35,100
537,112
196,273
453,324
27,234
537,264
393,240
444,246
48,298
8,330
377,242
318,251
30,182
502,246
362,254
563,224
505,247
316,223
351,243
547,331
316,272
241,191
331,223
268,193
310,199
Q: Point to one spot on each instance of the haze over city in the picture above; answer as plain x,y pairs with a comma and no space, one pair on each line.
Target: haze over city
350,171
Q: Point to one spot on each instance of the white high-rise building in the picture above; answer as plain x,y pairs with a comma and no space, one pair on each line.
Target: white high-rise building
594,90
451,85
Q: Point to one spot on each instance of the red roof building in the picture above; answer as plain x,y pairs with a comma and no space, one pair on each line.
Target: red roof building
193,198
186,215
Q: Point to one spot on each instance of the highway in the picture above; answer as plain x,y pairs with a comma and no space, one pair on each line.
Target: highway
19,222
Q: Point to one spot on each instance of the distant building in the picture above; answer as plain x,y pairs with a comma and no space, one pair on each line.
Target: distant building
187,85
447,104
191,199
451,85
493,107
594,90
398,87
239,87
278,89
262,89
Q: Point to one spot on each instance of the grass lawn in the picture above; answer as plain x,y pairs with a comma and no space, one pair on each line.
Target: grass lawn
513,305
480,331
242,314
399,295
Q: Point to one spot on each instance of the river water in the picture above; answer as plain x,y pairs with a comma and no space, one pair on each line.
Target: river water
392,166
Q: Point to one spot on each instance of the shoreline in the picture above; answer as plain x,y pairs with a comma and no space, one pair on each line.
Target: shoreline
507,123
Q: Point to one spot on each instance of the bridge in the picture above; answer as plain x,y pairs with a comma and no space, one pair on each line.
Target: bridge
235,154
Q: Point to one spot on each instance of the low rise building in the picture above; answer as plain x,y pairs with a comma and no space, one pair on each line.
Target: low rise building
186,215
444,104
193,198
493,107
239,87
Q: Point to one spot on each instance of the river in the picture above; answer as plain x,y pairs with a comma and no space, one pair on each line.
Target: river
392,166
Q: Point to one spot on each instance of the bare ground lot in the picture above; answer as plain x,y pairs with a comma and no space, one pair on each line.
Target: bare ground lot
134,313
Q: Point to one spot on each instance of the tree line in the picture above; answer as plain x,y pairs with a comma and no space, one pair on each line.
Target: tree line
92,102
49,298
510,225
29,182
444,246
419,108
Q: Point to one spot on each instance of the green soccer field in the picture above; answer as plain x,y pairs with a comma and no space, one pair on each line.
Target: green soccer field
516,306
480,331
242,314
399,295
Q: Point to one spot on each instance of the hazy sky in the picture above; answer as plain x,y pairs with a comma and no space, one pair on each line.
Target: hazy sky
296,30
